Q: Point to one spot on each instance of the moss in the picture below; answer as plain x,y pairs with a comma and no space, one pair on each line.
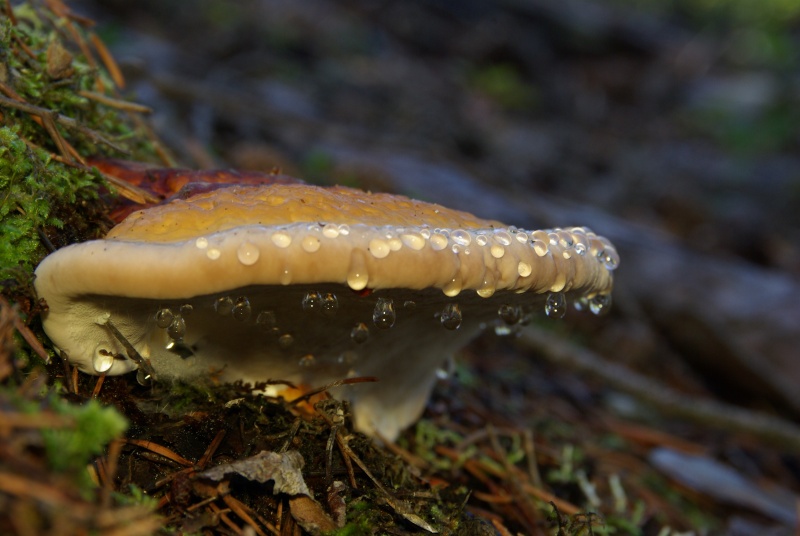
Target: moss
44,188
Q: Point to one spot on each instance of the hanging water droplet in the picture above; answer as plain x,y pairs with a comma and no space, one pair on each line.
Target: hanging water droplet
266,320
102,360
497,251
481,239
307,360
438,241
413,241
383,315
503,238
556,305
285,341
242,309
312,302
540,247
186,309
359,333
348,357
310,244
524,269
451,316
357,276
510,314
223,305
164,318
600,303
409,304
177,329
330,304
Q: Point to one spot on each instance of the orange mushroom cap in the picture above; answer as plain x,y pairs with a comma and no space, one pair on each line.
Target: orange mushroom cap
270,282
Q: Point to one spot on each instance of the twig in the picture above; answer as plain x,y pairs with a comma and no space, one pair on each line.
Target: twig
337,383
63,120
708,412
116,103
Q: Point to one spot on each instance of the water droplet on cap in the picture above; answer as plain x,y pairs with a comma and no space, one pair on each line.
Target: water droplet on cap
247,253
281,239
379,248
311,244
413,241
461,237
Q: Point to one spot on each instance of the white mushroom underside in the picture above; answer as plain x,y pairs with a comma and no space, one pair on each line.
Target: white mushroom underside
272,270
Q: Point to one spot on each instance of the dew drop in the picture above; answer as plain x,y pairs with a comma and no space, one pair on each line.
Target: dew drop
310,244
524,269
285,341
409,304
610,258
438,241
453,287
383,315
242,309
266,320
359,333
497,251
312,302
357,276
425,233
413,241
379,248
330,304
481,239
102,361
451,316
330,230
143,377
247,253
186,309
164,318
281,239
213,253
461,237
521,237
600,304
223,306
201,242
307,360
344,229
177,329
510,314
395,244
540,247
556,305
503,238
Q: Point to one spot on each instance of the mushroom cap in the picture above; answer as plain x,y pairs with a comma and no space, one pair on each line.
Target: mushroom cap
275,282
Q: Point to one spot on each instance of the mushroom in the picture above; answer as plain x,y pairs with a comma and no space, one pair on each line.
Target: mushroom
310,285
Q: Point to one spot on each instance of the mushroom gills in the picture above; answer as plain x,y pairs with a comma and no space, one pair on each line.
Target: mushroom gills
309,335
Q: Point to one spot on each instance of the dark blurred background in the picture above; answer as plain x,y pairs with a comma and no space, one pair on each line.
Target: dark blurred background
670,126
